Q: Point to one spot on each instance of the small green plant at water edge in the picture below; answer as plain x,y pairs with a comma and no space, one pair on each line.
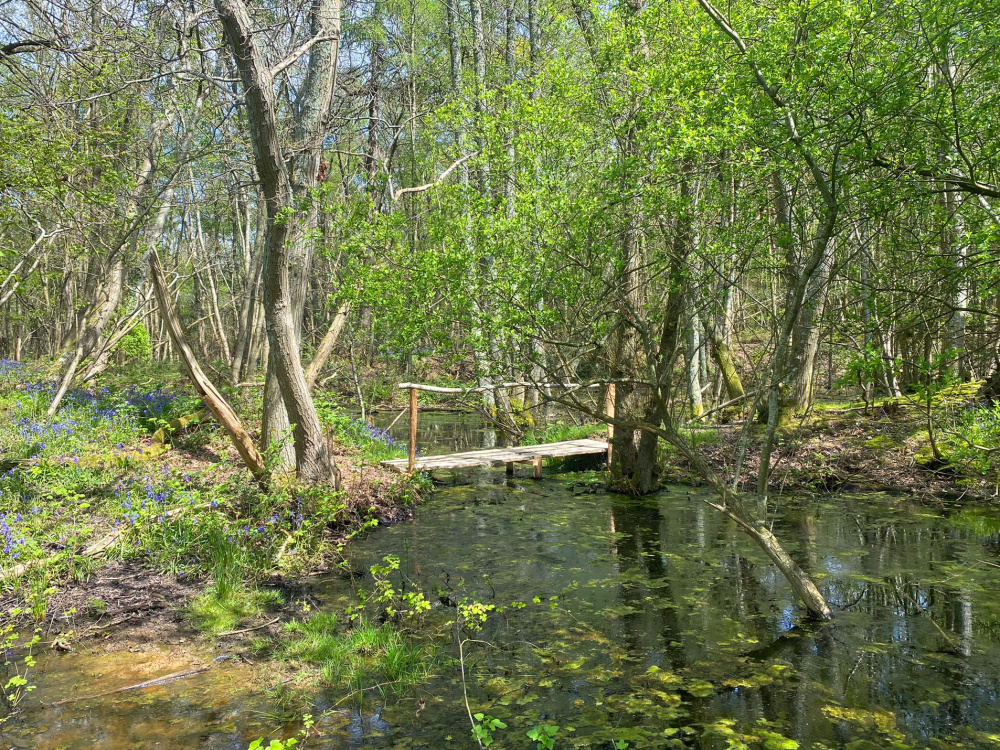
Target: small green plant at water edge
38,595
544,736
215,614
16,687
360,656
483,730
374,443
393,604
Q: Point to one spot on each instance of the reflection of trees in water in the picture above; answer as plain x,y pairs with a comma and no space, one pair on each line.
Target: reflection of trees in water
911,610
638,551
877,661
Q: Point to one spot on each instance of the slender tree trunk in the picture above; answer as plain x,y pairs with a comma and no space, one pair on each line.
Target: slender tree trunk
209,394
325,347
797,389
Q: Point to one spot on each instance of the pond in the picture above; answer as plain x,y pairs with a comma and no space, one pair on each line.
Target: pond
649,622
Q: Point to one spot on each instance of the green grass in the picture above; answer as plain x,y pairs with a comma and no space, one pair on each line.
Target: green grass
358,655
560,431
221,614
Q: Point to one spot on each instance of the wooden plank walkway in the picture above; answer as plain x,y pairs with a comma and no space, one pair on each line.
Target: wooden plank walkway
509,456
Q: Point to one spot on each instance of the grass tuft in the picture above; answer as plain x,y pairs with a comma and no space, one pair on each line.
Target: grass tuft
215,614
360,655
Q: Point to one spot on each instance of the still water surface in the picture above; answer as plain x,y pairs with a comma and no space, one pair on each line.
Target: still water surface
651,621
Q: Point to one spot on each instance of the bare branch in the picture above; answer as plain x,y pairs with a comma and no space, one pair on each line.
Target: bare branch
396,195
298,52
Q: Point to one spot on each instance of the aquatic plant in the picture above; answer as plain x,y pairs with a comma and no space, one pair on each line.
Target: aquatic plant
17,686
484,727
543,735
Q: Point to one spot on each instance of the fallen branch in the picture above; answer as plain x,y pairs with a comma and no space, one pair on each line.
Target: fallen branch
249,630
138,686
210,395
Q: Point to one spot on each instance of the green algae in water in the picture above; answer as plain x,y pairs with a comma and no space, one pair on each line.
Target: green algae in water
654,622
670,626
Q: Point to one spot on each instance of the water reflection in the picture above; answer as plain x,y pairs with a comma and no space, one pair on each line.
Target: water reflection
441,432
912,656
650,621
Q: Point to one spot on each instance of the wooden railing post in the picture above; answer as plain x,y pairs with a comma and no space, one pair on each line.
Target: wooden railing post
413,430
609,409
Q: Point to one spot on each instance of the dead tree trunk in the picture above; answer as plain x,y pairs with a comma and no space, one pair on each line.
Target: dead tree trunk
209,394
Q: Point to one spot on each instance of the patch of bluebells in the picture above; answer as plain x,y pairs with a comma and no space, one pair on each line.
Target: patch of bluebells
144,505
363,433
149,499
149,404
85,409
377,434
11,534
88,410
10,368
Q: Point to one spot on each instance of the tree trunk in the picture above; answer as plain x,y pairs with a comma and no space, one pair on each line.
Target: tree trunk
212,398
797,388
325,347
312,458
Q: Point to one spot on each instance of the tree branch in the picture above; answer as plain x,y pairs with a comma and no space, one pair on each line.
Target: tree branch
396,195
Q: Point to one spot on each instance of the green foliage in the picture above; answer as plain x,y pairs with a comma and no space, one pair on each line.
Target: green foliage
484,727
386,600
258,744
973,439
555,433
472,614
216,614
136,343
360,656
544,736
373,443
17,661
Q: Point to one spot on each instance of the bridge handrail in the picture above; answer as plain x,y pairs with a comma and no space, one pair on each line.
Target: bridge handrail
413,388
494,386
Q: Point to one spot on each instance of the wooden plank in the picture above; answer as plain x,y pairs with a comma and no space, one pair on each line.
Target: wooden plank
523,454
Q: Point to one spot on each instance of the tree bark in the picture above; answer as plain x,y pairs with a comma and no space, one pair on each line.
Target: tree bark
312,458
209,395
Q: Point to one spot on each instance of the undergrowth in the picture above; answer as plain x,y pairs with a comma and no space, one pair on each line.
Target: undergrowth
560,431
91,475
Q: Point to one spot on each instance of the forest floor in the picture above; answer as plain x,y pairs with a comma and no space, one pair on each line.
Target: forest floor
842,446
118,515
